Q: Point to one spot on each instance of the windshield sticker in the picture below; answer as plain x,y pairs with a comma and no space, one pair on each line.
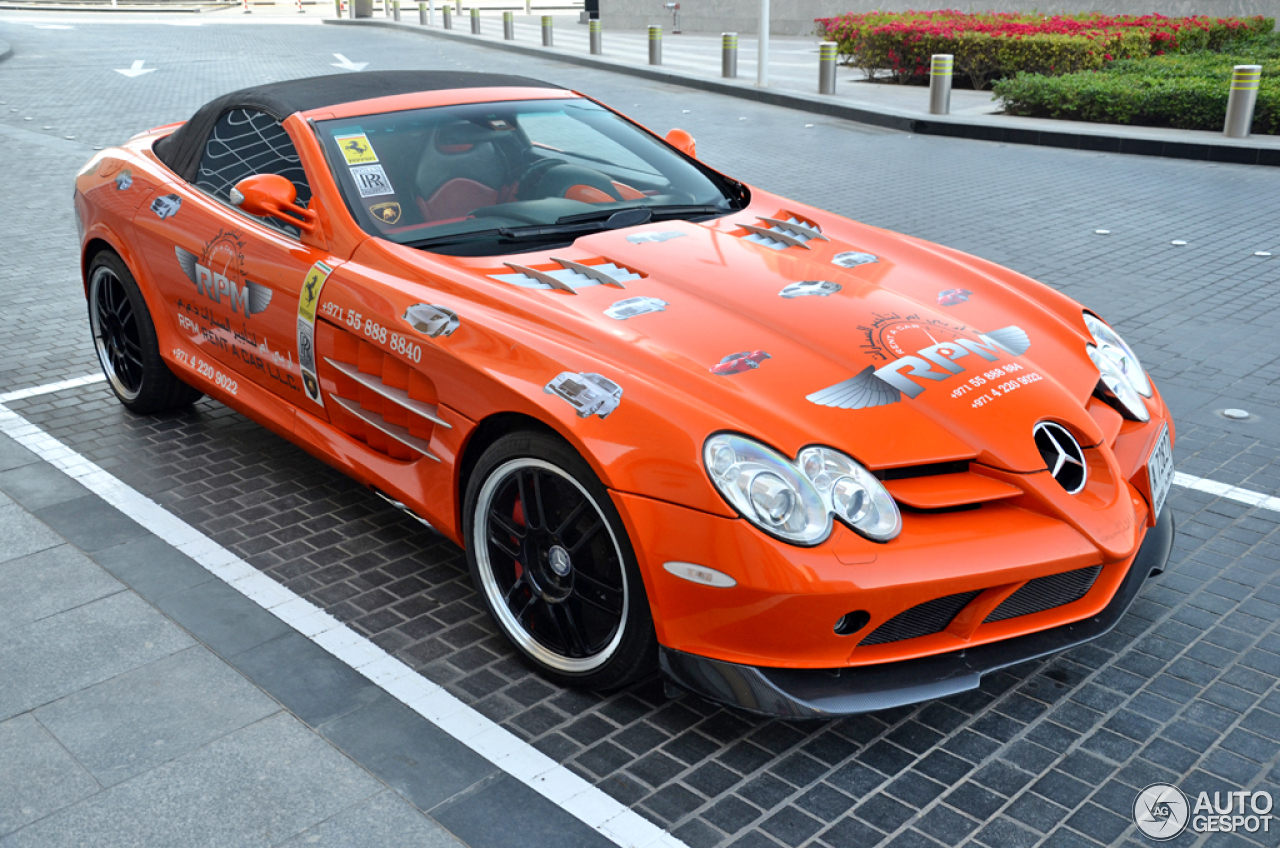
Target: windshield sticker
167,206
385,213
810,288
371,181
736,363
124,180
312,285
589,394
853,259
431,320
356,148
642,238
633,306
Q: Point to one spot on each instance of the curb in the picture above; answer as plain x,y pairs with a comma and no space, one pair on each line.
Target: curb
1102,138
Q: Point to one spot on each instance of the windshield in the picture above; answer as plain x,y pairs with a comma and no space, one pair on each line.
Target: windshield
502,177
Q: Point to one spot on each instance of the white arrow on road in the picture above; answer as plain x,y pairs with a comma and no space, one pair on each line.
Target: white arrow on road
136,71
346,64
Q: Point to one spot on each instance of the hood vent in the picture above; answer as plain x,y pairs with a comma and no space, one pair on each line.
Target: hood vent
569,277
781,233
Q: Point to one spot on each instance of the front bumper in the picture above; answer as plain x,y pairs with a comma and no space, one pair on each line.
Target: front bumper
823,693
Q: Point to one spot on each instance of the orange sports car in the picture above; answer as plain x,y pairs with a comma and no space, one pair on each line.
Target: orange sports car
507,309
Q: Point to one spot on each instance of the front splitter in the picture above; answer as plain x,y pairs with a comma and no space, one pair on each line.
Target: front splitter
829,693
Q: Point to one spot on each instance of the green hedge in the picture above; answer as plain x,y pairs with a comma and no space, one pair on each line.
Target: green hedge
993,45
1187,91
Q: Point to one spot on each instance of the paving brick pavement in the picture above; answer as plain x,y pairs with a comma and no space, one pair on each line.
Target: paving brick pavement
1047,753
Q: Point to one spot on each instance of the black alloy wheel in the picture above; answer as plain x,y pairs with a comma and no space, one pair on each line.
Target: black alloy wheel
550,556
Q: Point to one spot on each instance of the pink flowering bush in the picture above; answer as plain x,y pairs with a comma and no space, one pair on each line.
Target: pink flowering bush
995,45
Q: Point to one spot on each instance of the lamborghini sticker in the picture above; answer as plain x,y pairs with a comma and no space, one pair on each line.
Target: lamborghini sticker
371,181
386,213
356,148
309,299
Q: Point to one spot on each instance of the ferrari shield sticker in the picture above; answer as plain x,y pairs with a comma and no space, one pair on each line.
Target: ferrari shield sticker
386,213
356,148
371,181
307,303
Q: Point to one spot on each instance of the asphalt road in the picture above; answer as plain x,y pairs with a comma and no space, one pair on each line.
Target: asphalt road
1185,690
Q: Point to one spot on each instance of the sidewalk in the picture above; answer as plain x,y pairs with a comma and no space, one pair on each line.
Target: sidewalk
694,61
146,702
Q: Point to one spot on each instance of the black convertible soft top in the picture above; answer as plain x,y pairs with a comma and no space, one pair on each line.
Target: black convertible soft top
182,149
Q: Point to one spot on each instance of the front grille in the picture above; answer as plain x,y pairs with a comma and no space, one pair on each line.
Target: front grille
1046,593
921,620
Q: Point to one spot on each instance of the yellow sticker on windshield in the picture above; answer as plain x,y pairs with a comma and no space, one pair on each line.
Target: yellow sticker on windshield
356,148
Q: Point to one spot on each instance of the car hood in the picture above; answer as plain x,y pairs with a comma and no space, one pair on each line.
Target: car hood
921,355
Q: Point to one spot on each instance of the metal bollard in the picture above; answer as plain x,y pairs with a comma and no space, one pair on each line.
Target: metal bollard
596,47
422,13
508,26
827,67
548,37
655,44
395,10
337,7
1240,103
448,18
729,55
940,73
475,21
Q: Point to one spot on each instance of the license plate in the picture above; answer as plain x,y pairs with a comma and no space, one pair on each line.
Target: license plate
1160,471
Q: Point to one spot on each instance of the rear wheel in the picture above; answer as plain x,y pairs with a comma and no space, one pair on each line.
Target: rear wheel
551,558
125,340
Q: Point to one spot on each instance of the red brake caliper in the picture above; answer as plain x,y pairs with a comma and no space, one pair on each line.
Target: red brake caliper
517,515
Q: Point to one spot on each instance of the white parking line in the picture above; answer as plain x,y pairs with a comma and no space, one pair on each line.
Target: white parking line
1222,490
50,388
497,745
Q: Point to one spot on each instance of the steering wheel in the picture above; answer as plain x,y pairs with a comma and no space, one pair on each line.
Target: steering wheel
529,176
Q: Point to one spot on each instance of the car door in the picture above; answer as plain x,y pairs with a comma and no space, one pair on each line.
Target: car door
234,285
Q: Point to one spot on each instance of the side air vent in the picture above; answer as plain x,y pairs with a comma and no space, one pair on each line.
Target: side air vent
377,398
921,620
1045,593
569,277
780,233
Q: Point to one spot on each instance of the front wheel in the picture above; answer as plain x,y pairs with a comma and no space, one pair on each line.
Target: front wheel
125,340
551,558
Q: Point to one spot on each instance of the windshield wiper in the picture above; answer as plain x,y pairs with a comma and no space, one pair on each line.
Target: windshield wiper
573,225
661,213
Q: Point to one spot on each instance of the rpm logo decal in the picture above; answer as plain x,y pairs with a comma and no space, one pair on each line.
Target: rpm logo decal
910,374
218,275
308,300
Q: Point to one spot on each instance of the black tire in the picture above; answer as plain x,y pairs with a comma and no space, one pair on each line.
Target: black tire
125,340
580,616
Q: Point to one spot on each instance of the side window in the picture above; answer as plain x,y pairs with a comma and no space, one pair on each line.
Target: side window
245,142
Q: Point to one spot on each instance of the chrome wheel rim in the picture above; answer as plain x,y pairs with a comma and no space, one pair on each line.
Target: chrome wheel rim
115,333
550,565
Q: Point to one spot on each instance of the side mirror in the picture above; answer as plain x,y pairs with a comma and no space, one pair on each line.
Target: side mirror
682,141
272,196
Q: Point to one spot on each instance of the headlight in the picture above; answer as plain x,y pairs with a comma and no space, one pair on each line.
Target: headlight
1119,368
796,500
